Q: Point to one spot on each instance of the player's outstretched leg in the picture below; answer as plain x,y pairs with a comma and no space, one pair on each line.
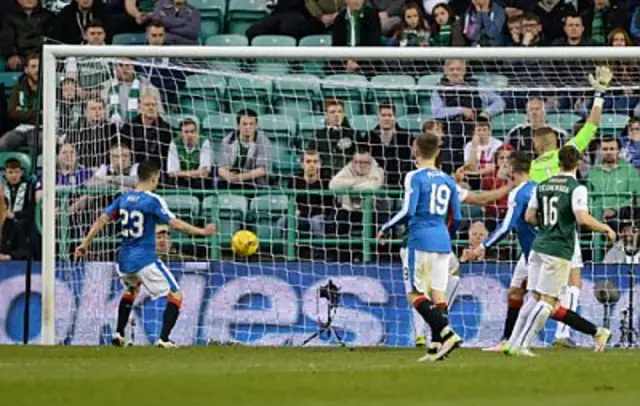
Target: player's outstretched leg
569,300
171,313
433,317
124,311
515,301
521,322
573,320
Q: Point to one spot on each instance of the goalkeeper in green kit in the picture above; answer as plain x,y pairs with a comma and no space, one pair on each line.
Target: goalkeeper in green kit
546,164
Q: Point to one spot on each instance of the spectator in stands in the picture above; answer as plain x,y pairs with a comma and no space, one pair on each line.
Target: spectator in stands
19,200
69,173
119,171
514,31
148,134
483,23
22,33
574,32
618,37
600,19
123,93
298,19
413,30
530,31
615,178
631,144
90,73
311,209
459,108
477,233
190,155
336,143
7,8
446,28
92,134
165,249
181,21
390,13
479,153
497,179
617,254
391,146
69,106
433,126
362,173
552,15
246,155
137,13
520,137
358,25
23,108
70,25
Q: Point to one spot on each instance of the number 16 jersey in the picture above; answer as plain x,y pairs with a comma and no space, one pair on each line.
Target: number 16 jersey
138,213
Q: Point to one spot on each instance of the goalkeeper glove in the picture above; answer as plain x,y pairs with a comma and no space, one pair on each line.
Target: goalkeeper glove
600,81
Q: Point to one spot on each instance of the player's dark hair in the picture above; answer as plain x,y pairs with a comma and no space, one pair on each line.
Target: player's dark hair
12,163
95,23
245,113
482,121
147,170
542,131
568,157
428,145
520,162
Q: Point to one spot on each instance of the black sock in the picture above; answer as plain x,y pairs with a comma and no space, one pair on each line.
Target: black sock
124,310
433,317
169,318
578,323
510,322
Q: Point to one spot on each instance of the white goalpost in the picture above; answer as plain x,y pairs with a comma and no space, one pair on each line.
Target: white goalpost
272,298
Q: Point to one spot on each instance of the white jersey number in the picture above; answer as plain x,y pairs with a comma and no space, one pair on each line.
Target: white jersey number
549,210
440,195
132,224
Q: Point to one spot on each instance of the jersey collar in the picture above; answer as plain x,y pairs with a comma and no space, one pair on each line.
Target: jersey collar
569,174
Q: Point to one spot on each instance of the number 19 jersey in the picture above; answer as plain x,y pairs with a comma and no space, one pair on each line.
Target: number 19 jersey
138,213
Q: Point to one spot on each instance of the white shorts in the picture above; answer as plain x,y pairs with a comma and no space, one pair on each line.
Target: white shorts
156,279
520,273
548,275
425,270
576,260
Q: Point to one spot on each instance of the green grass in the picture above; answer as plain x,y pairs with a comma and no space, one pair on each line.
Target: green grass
212,376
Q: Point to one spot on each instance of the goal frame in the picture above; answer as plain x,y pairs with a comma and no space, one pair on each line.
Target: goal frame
51,54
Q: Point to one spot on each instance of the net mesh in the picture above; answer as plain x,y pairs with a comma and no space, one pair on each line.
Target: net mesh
310,155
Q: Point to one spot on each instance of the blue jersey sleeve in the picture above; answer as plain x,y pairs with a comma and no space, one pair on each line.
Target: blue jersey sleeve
409,203
160,210
514,212
114,209
454,207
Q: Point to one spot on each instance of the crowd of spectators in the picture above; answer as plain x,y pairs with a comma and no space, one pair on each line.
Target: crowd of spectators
114,114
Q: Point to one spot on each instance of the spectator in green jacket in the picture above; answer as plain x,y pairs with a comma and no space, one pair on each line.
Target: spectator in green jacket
614,176
190,155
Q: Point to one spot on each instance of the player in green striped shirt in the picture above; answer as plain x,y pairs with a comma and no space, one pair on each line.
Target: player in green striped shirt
546,165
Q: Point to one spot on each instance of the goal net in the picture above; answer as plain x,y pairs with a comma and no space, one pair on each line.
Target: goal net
307,148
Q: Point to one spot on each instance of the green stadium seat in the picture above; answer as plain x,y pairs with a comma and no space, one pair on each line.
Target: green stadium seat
471,212
614,122
273,41
183,205
351,89
272,66
363,123
253,93
228,211
206,84
212,14
565,121
492,81
218,125
25,160
202,94
503,123
294,95
129,39
307,126
316,41
412,123
395,89
264,212
243,13
423,96
227,40
9,79
286,162
2,65
277,127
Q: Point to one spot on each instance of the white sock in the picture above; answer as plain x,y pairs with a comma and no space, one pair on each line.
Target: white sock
520,322
569,299
535,322
418,324
452,289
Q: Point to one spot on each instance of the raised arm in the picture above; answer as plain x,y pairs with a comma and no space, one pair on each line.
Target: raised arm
97,226
408,206
514,212
531,215
489,196
185,227
579,204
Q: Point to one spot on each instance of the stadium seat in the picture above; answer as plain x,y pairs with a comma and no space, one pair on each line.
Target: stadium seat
9,79
412,123
212,14
202,94
264,212
219,125
129,39
183,205
24,159
563,120
316,41
272,66
273,41
228,211
1,65
423,96
614,123
503,123
351,89
307,126
206,84
243,13
175,119
253,93
471,212
492,81
286,162
227,40
363,123
294,95
314,66
277,127
396,89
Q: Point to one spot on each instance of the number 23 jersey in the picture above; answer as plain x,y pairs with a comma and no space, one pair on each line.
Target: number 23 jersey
138,213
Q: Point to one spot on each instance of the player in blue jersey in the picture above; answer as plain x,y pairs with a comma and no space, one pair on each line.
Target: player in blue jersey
430,194
139,211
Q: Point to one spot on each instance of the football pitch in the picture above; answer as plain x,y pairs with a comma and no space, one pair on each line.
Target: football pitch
212,376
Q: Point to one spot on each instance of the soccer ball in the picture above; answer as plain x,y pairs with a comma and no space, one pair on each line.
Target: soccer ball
244,243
